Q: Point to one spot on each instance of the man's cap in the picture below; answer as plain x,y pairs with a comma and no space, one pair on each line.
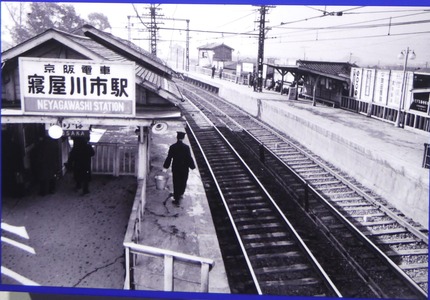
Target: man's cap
180,135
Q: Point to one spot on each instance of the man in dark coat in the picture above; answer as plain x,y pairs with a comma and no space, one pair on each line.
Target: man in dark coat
182,161
46,153
80,162
213,71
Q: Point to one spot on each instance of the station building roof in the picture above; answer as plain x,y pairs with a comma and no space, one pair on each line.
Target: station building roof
335,70
152,74
213,46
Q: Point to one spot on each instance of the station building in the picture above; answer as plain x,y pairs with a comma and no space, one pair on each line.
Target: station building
396,96
77,82
214,54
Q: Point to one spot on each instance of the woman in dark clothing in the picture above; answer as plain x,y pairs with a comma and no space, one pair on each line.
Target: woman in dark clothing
182,161
80,162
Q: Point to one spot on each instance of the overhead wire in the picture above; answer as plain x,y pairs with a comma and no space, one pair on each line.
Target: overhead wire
354,25
347,26
356,37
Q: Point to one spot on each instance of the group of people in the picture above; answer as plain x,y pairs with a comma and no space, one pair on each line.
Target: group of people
79,163
213,72
253,81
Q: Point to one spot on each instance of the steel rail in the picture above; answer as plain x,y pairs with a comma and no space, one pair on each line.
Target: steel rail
420,235
248,262
302,244
358,233
362,273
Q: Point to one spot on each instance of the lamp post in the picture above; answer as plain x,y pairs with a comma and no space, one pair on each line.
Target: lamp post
404,54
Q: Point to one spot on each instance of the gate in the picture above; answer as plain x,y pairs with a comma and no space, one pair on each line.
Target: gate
115,159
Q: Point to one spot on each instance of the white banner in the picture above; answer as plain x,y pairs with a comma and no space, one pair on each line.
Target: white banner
248,67
77,87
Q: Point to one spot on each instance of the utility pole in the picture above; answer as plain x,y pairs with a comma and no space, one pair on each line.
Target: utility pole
260,58
187,48
187,42
153,28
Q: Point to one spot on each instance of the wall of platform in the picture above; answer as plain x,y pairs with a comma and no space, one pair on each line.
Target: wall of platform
406,188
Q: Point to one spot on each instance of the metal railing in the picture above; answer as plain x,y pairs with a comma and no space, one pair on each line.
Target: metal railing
133,249
170,257
416,120
115,159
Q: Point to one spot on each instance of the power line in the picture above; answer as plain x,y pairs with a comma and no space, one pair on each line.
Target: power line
334,13
214,32
349,25
355,37
360,26
361,22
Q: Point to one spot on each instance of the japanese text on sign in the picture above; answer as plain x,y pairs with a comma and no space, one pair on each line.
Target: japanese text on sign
77,87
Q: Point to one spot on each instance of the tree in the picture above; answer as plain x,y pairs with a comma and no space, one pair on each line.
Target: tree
45,15
99,21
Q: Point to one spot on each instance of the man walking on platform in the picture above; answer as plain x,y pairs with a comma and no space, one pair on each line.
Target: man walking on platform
182,161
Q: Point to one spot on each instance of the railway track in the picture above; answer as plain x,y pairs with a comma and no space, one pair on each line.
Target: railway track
348,214
277,259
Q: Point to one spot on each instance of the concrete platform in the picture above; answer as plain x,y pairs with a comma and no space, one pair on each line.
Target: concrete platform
73,241
186,229
65,239
384,158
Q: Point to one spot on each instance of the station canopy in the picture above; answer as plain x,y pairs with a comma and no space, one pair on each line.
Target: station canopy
154,92
334,70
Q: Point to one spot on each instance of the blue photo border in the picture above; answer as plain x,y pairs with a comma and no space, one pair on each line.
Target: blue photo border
50,293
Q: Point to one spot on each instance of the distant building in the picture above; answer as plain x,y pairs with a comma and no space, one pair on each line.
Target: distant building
321,80
376,93
214,54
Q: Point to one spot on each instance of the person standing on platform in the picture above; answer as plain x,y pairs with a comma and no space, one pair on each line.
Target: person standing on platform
220,73
213,71
46,153
182,161
80,162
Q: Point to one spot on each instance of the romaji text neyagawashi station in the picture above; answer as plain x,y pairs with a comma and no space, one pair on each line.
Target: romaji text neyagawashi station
75,87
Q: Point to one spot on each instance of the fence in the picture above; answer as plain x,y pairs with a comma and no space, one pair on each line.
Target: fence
133,251
411,119
115,159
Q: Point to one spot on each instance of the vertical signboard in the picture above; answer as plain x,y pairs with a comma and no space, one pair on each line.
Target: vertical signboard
408,95
395,88
356,82
77,87
368,82
381,89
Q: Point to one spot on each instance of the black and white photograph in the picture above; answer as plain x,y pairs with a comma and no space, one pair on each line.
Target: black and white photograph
202,150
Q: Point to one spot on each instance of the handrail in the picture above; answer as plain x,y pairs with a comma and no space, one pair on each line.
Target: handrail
169,258
131,247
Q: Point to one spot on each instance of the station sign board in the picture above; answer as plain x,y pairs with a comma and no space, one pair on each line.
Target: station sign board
67,87
248,67
73,129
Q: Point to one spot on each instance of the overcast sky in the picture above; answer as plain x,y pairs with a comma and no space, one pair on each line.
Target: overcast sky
361,34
